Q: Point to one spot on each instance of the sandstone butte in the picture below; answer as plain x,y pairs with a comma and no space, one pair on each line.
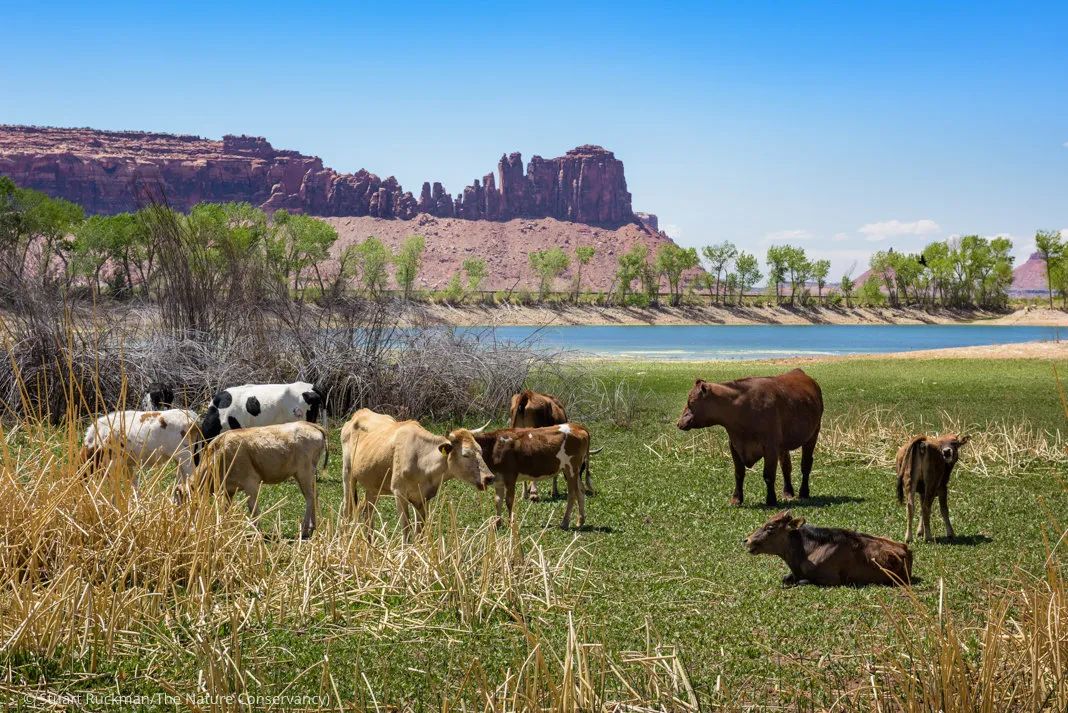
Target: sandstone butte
579,198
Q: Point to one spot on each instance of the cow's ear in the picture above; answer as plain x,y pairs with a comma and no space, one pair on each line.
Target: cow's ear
964,439
698,382
445,448
797,522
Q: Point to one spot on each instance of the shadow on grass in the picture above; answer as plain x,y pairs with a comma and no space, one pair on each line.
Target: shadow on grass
964,540
817,501
605,529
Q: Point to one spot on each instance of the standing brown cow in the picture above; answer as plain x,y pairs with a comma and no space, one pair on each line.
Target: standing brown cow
765,417
830,556
924,465
515,454
531,409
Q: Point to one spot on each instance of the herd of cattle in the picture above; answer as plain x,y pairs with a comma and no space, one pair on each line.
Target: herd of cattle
268,433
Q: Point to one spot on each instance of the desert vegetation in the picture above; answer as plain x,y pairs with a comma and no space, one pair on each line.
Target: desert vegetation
51,245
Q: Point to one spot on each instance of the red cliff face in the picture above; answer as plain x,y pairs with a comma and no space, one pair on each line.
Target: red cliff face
113,171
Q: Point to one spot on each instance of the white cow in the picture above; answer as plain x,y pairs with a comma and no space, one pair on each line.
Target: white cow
252,405
143,438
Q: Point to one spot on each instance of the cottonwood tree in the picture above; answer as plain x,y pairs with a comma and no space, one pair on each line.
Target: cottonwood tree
718,257
1050,249
583,255
846,286
820,270
672,261
548,265
372,259
798,268
407,263
631,266
475,269
296,244
748,270
777,258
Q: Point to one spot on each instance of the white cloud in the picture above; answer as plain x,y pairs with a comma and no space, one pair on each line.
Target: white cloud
840,237
893,228
786,236
673,231
1065,144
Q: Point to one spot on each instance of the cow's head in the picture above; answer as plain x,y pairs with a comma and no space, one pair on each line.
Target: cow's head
771,538
703,405
158,397
464,457
946,446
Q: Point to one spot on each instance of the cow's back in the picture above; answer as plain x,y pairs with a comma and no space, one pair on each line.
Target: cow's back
790,404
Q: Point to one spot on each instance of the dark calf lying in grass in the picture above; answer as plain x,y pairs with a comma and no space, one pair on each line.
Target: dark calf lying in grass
830,556
924,465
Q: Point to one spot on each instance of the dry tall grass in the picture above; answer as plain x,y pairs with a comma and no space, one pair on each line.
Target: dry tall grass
93,577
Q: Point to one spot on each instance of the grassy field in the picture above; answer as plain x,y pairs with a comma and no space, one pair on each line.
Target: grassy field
657,585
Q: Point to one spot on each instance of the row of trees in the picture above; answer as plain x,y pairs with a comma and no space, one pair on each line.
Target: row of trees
49,244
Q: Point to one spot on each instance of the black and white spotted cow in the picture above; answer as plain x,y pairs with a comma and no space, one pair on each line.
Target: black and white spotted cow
260,405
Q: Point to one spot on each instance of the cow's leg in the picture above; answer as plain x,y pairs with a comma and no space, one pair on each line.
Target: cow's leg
808,450
420,514
589,479
498,500
787,471
771,462
509,499
739,478
253,491
366,512
943,505
311,504
556,486
573,489
925,516
402,516
910,508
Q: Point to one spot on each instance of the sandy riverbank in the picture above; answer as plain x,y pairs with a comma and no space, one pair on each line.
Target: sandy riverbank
573,315
1048,351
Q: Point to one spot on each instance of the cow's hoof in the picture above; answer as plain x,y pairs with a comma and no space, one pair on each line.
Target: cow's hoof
736,501
564,526
771,503
787,495
803,494
589,492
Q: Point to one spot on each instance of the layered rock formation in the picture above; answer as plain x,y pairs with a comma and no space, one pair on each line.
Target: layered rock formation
113,171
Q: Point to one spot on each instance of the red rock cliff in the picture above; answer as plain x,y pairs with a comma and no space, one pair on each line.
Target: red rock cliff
113,171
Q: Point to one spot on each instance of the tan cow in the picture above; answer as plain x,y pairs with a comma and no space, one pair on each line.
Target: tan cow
924,465
515,454
830,556
403,458
245,458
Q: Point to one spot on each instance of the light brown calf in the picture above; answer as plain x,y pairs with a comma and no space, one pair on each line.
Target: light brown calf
531,409
924,465
245,458
403,458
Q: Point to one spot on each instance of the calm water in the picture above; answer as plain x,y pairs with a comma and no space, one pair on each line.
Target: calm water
763,341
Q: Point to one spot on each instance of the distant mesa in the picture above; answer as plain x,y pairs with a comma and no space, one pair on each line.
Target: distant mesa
114,171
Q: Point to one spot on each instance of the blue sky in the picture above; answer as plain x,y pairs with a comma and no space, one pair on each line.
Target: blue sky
843,127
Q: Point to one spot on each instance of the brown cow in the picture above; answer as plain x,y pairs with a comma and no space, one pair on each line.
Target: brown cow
830,556
765,417
515,454
531,409
924,465
405,459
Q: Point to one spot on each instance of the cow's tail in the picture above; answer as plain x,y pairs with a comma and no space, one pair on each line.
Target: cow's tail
904,467
521,403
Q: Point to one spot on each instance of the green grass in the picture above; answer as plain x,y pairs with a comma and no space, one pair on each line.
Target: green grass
664,545
663,558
